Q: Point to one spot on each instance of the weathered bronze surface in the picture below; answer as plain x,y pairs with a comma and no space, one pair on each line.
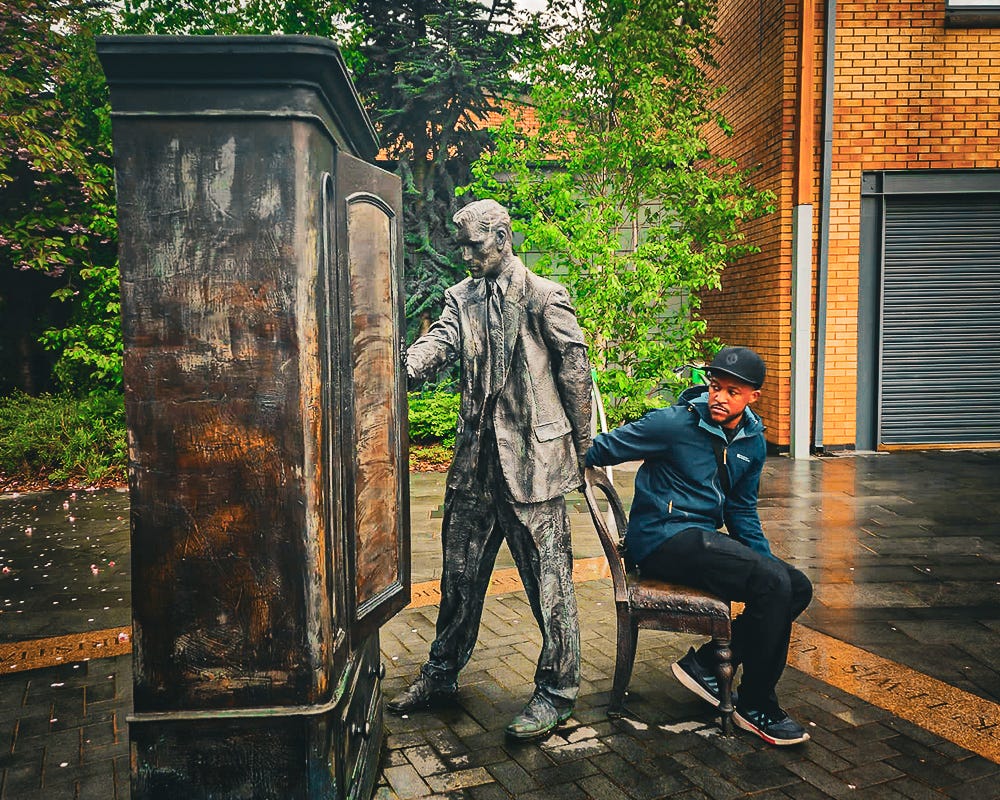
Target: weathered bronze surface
523,429
267,443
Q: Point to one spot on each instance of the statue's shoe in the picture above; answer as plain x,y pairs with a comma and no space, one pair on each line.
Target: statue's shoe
537,719
421,694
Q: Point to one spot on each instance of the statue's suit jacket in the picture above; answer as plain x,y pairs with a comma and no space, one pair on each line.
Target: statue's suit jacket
542,413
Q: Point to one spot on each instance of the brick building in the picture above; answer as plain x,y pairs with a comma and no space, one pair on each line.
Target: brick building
876,297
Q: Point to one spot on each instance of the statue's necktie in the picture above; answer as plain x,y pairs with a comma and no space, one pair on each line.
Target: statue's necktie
494,335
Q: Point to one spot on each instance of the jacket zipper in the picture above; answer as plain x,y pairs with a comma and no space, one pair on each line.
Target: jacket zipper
725,463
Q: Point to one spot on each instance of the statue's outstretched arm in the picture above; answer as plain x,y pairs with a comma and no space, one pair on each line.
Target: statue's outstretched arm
437,348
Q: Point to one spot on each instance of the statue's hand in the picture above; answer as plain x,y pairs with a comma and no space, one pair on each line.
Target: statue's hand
594,475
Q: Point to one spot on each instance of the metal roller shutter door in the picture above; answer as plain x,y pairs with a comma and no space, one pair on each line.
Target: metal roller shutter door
940,370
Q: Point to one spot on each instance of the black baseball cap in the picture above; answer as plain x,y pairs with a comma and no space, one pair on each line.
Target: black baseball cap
741,363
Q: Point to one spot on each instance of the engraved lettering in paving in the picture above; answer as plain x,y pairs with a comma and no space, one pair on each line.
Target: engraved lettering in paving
38,653
963,718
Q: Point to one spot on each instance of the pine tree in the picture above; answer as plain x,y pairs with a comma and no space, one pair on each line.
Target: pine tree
432,72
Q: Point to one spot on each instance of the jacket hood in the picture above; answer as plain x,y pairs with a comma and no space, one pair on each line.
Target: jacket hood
696,398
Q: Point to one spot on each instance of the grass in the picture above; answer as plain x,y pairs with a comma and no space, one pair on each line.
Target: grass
62,441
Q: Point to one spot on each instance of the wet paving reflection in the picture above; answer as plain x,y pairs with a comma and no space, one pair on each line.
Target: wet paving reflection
904,553
64,563
903,550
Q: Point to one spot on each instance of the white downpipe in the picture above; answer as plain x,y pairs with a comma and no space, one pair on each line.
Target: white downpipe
802,261
598,419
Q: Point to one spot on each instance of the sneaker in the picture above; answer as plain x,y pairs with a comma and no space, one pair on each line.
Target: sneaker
420,694
773,726
537,719
696,678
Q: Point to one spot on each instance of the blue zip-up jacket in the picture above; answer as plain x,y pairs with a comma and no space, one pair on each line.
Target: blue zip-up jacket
678,484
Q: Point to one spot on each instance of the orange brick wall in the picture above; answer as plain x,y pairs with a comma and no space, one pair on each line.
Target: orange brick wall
909,94
754,306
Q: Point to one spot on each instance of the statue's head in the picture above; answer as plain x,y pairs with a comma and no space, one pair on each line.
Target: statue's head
484,234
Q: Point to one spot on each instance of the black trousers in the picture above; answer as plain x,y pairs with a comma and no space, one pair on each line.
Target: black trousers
774,594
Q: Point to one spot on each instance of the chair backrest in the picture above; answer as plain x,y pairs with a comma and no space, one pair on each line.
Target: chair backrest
611,540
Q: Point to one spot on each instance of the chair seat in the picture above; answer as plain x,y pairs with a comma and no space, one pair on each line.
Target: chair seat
653,595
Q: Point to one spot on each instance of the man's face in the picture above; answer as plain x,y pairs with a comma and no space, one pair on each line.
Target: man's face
727,397
484,253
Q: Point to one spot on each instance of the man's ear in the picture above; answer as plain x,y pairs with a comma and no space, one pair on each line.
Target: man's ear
754,396
501,236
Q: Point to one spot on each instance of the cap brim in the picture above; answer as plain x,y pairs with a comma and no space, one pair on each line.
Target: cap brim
731,374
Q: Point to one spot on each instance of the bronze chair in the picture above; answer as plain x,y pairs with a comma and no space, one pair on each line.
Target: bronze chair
647,603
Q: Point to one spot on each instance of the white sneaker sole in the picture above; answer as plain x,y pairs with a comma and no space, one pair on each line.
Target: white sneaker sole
747,725
692,685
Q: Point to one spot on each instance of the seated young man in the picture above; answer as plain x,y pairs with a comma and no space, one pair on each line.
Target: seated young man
702,459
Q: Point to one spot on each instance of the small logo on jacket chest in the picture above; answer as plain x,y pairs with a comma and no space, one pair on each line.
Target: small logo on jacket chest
742,457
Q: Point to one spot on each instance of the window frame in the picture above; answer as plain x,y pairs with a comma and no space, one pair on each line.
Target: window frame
971,13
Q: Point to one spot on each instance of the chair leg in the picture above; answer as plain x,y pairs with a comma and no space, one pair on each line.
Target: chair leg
724,672
628,633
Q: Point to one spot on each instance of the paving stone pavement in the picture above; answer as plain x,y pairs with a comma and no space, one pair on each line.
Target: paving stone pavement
63,732
904,550
670,748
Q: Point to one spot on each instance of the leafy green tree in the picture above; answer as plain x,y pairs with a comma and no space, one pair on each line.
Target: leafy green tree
90,343
431,73
618,190
56,212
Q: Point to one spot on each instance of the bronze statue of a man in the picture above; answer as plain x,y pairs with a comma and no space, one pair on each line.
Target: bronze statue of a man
523,432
